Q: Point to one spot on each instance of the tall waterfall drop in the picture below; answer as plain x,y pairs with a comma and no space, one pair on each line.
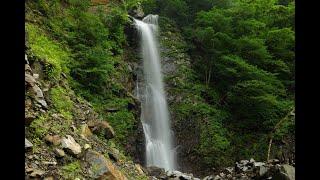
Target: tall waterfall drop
154,111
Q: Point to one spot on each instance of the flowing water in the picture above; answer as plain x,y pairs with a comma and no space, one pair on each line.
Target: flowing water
154,111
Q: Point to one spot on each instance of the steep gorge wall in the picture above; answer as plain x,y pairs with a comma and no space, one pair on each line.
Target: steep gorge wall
67,136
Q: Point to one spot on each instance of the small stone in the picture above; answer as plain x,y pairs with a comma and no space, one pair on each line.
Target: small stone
49,163
37,173
49,178
35,156
252,160
55,140
245,168
59,152
85,131
87,146
70,144
263,170
29,79
274,161
257,164
157,171
244,162
288,171
139,169
101,168
56,116
229,169
74,129
209,177
26,59
27,144
29,170
36,76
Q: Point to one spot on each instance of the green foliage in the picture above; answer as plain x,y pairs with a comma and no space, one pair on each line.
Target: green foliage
255,104
243,54
72,170
123,122
213,138
61,101
240,85
51,53
40,126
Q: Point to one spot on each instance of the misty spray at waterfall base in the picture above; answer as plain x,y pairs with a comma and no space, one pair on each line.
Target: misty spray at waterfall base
154,111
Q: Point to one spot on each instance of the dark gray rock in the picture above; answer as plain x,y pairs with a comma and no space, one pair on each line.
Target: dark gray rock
155,171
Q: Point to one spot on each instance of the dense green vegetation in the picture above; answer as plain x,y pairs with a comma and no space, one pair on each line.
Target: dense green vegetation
239,86
243,55
87,44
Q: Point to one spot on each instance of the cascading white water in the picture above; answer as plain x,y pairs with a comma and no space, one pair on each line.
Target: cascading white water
154,111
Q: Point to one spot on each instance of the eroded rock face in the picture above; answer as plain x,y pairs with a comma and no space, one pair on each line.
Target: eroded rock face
101,168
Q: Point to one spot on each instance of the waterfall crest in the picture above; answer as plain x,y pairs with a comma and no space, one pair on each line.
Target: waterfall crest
154,110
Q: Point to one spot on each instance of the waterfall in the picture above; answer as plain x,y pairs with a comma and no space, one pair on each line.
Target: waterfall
154,110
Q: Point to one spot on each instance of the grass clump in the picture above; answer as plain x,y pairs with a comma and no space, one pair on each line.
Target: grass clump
72,170
61,101
40,126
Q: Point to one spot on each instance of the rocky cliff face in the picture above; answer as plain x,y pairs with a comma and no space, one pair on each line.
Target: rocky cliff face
67,143
178,74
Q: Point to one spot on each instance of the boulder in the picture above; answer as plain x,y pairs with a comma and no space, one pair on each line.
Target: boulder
252,160
37,173
71,145
27,144
262,171
85,132
28,78
39,96
101,127
274,161
139,169
59,152
286,172
155,171
257,164
102,168
229,170
55,140
211,177
87,146
176,175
